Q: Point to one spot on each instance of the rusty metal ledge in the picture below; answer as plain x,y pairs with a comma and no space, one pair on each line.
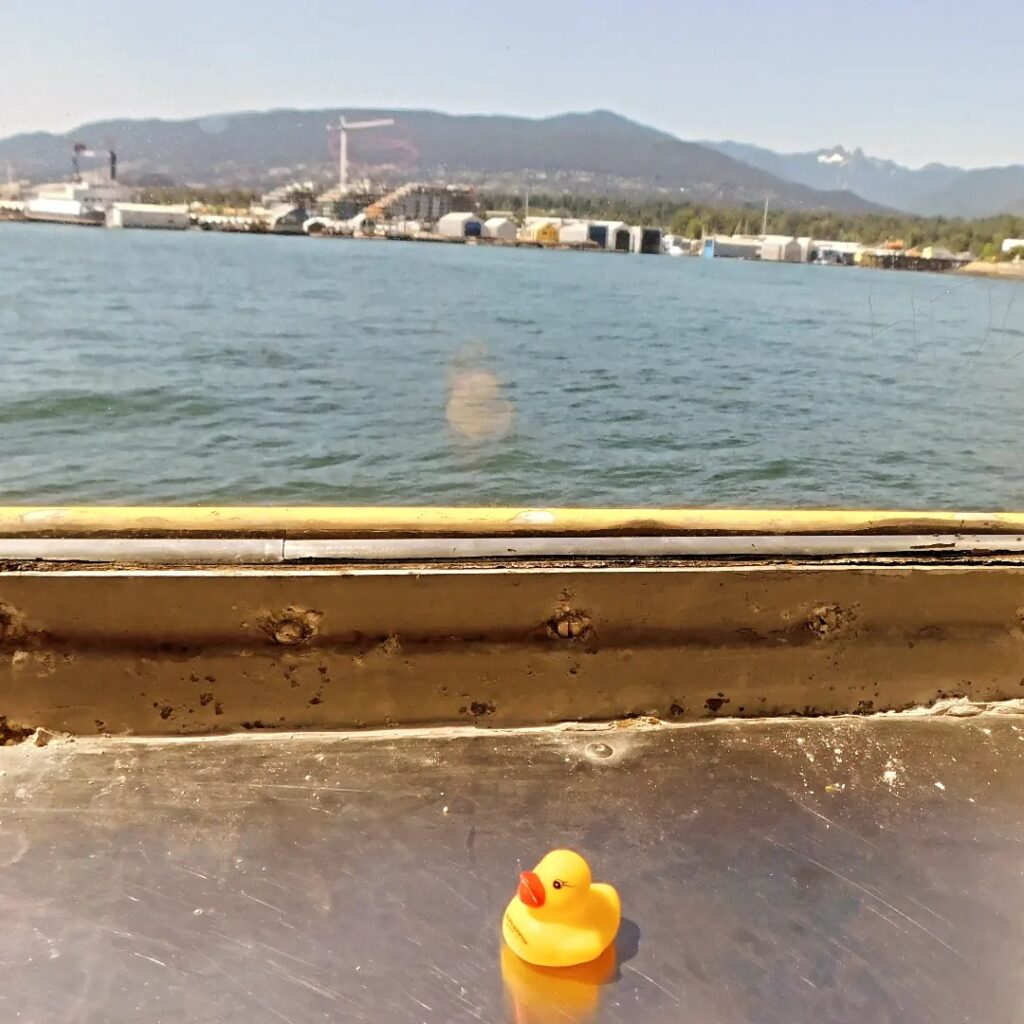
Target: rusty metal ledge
168,651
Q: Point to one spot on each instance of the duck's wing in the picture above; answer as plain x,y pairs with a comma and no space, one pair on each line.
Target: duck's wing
609,897
578,945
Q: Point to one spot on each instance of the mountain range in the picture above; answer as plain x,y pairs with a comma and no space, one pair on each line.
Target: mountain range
596,153
933,190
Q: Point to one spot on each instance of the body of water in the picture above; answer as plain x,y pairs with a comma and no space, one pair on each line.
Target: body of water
200,368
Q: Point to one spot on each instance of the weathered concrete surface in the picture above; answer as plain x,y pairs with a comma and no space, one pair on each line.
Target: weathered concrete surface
841,870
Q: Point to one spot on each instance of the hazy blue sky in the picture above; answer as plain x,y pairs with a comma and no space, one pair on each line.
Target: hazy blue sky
915,80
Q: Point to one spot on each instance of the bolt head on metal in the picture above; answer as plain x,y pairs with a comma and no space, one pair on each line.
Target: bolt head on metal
599,750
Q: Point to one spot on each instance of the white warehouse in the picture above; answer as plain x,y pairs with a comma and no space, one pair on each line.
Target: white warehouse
785,248
147,215
611,234
576,232
500,228
645,240
459,225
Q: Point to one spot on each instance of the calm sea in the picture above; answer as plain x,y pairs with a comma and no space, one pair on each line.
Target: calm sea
164,367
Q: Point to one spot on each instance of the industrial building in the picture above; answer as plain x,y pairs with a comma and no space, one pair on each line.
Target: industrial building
772,248
739,247
421,202
500,228
432,202
335,204
785,249
529,223
610,234
939,252
645,240
542,231
575,232
148,215
460,225
287,220
835,253
295,193
75,202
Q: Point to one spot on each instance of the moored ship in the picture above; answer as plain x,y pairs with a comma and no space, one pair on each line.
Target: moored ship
77,201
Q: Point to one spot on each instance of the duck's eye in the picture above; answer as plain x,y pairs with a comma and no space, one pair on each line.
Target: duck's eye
556,884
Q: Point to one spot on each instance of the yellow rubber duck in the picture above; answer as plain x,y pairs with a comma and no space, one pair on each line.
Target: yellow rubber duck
558,918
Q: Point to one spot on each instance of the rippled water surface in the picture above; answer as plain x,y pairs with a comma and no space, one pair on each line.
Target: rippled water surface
164,367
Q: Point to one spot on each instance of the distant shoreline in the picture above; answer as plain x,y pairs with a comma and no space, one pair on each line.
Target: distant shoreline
982,268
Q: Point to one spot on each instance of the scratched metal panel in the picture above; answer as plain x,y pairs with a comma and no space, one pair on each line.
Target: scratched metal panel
844,870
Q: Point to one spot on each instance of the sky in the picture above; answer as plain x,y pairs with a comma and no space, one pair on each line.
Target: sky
912,80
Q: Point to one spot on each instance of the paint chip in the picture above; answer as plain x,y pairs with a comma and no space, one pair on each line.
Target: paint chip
535,517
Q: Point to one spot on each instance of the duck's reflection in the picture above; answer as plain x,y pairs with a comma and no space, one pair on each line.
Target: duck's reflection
544,995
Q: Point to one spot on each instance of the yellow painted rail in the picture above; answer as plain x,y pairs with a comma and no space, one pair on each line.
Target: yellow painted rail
312,521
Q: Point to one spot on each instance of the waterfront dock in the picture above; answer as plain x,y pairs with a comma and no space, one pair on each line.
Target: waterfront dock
441,213
901,260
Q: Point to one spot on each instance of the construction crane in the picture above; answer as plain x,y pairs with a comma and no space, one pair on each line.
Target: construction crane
343,127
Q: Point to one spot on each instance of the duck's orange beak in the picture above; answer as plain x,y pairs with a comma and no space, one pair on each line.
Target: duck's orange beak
531,889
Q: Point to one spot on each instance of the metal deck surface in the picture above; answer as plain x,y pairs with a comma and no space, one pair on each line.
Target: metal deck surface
863,870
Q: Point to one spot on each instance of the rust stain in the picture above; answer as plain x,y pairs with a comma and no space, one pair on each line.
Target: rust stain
827,620
12,625
290,626
569,622
11,734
